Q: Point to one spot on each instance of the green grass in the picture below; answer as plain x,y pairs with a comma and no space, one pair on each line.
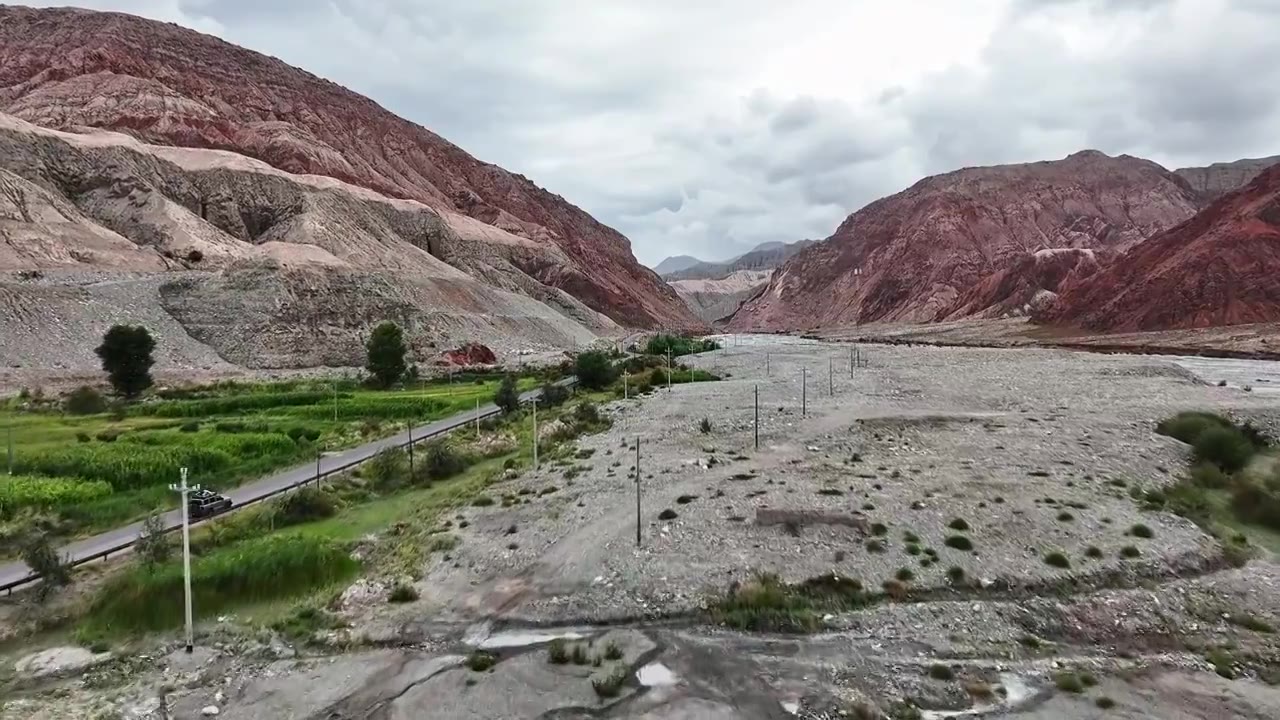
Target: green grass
678,345
767,604
93,472
267,568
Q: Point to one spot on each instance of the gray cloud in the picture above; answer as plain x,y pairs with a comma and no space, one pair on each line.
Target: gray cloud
705,128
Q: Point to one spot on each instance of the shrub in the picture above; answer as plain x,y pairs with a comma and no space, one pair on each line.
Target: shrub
955,574
387,469
482,501
84,400
609,686
83,437
1068,682
1057,559
1093,552
558,652
1208,475
441,460
875,546
904,575
304,504
479,660
938,671
1257,502
660,344
1141,531
385,352
594,370
586,414
704,426
39,555
959,542
300,433
108,436
612,651
402,593
553,395
667,514
1129,552
153,546
508,397
1226,448
46,493
126,357
1104,702
879,529
190,427
579,655
1189,426
1065,516
958,524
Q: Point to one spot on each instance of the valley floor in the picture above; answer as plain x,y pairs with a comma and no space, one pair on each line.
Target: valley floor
1055,605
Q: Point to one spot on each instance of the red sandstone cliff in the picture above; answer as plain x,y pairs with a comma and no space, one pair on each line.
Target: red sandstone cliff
1222,267
966,243
165,84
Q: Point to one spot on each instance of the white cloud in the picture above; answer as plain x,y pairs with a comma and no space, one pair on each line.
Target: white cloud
705,127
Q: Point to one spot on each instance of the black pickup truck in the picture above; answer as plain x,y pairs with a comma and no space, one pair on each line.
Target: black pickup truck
206,503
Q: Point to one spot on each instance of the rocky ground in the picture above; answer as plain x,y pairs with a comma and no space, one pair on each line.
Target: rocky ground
1035,451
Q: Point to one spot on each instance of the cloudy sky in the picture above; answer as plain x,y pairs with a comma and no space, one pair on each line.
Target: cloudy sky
708,126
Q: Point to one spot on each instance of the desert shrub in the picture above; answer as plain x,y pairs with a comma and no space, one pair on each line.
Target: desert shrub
1104,703
558,652
402,593
507,398
704,426
440,460
958,524
766,603
482,501
1258,502
955,574
1189,426
1129,552
479,660
1068,682
938,671
304,504
1065,516
1208,475
879,529
1141,531
1093,552
904,575
1226,448
610,685
959,542
1057,559
85,400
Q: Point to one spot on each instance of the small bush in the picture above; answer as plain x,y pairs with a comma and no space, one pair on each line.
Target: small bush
875,546
1068,682
189,427
955,574
579,655
107,436
1065,516
1250,622
959,542
610,685
1093,552
1105,702
1208,475
508,396
403,594
40,555
594,370
879,529
1057,559
1129,552
667,514
1141,531
1189,426
1226,448
482,501
303,505
388,468
612,651
704,426
558,652
904,575
83,437
938,671
441,460
479,660
85,400
958,524
553,395
153,548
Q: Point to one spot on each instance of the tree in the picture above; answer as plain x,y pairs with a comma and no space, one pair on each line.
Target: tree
508,398
386,351
126,357
153,547
39,555
84,400
594,370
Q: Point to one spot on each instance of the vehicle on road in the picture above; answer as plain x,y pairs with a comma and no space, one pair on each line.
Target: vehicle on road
206,503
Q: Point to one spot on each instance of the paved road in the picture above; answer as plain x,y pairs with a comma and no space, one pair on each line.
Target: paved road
90,548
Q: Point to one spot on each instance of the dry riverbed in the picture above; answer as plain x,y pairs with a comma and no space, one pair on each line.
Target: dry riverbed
987,491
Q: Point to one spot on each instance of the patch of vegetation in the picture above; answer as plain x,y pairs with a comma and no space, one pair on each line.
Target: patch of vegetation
612,651
1030,641
955,574
1223,662
385,354
875,546
126,357
594,369
508,396
704,426
958,542
667,514
904,575
579,655
1093,552
938,671
1104,702
480,661
1189,426
1057,559
1065,516
482,501
558,652
767,604
1129,552
958,524
1250,622
610,685
305,621
266,568
678,346
402,593
1068,682
85,400
1141,531
39,555
153,546
553,395
1225,447
879,529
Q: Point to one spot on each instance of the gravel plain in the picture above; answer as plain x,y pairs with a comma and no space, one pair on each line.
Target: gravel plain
1031,451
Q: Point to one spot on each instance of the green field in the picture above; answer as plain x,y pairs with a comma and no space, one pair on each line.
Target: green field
78,474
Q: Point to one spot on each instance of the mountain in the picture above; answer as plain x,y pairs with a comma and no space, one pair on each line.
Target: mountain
1218,179
972,243
765,256
1221,267
162,84
676,263
714,291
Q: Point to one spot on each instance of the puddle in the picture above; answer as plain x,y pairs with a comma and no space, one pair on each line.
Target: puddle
1017,691
655,674
479,636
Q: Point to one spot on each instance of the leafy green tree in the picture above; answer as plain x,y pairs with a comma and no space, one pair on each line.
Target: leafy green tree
39,555
386,353
508,397
594,370
153,546
84,400
126,357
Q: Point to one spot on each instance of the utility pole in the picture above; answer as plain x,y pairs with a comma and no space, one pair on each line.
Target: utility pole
768,371
850,363
317,466
637,491
757,417
668,368
831,383
804,392
411,449
10,449
335,401
186,552
477,418
535,434
625,396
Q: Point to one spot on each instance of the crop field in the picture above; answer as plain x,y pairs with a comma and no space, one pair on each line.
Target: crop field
79,473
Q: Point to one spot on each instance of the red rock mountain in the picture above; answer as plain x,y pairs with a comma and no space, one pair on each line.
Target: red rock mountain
978,241
1222,267
168,85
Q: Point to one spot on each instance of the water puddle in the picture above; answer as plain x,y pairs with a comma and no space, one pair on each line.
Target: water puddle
480,636
1017,691
655,674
